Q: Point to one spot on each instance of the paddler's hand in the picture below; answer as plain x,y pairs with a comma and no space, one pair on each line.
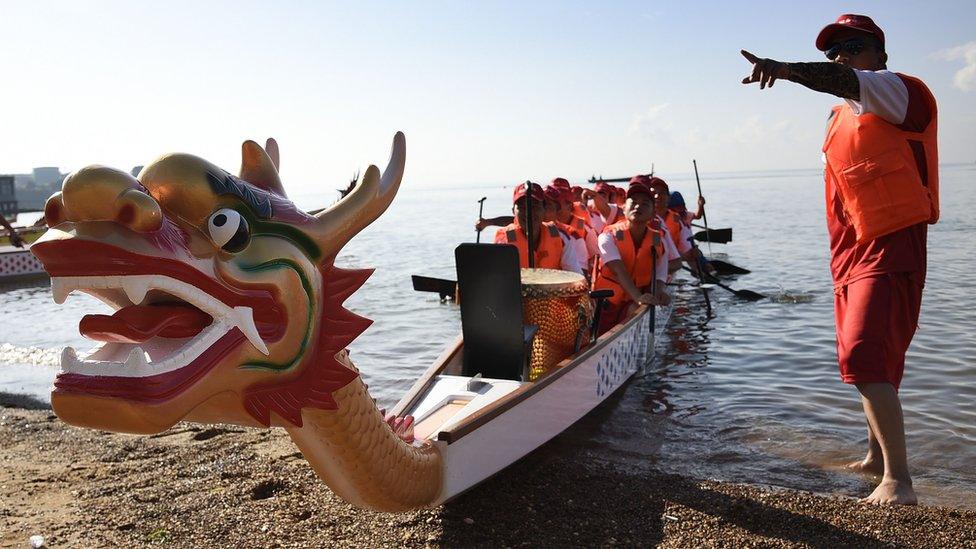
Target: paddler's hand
663,298
480,224
15,240
764,70
701,201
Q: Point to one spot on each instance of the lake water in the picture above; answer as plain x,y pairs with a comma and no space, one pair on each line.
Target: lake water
751,394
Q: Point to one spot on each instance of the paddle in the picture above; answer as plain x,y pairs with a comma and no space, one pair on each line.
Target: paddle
481,210
719,236
744,294
445,288
701,276
653,313
725,268
704,216
528,223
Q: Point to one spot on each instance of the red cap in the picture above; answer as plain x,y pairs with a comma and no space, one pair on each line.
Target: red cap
537,193
553,193
602,187
576,189
638,185
657,182
642,179
862,23
560,183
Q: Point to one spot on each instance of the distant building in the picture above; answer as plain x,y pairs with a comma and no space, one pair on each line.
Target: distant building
35,188
47,176
8,198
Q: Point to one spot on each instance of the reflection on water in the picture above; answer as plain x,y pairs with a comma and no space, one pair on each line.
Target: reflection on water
751,394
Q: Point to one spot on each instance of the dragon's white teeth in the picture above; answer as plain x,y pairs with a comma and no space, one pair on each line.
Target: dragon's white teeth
59,288
69,359
244,320
135,288
136,361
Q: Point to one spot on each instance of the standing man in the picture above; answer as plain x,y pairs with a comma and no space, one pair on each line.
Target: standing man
882,190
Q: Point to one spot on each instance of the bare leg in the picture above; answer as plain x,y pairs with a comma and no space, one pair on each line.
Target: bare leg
873,462
884,414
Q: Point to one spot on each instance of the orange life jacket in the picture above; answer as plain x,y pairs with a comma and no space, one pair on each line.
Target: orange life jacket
637,261
576,228
548,253
674,223
887,178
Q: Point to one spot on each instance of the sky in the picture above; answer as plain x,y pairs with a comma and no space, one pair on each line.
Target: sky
486,92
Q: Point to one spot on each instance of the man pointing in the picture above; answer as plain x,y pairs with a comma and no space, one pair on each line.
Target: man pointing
882,190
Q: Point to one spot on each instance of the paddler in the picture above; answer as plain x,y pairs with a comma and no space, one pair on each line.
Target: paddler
661,197
575,196
558,210
551,248
882,190
678,221
625,261
600,203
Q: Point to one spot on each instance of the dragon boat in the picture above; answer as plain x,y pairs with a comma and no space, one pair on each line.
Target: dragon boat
228,309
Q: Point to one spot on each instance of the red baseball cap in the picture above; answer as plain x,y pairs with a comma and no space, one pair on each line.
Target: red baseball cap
520,192
639,185
862,23
553,193
642,179
560,183
602,187
657,182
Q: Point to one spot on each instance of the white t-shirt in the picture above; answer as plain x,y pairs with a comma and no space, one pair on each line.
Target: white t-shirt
883,93
598,222
609,252
574,254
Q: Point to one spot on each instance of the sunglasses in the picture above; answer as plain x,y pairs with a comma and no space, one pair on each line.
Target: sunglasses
853,46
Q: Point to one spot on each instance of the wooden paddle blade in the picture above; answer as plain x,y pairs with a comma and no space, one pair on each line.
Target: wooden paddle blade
749,295
446,288
725,268
718,236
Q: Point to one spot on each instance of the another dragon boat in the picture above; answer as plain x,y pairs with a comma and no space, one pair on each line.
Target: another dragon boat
228,309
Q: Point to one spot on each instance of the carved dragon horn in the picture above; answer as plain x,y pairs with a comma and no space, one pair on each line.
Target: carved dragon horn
372,195
259,169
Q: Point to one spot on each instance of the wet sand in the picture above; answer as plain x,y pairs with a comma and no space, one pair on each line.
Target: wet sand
230,486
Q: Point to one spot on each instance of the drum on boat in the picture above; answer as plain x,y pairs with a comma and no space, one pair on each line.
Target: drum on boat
558,303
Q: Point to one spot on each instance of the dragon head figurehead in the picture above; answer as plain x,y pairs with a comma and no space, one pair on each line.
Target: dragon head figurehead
227,306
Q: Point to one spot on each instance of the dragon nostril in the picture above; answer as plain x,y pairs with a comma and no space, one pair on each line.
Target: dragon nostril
126,214
54,210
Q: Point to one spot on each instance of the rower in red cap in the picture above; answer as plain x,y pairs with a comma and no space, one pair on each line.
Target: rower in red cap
603,210
882,189
552,248
625,261
558,210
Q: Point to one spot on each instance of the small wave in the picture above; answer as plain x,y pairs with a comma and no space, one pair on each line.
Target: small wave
791,297
12,354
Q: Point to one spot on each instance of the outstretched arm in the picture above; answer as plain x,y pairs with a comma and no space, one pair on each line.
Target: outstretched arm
832,78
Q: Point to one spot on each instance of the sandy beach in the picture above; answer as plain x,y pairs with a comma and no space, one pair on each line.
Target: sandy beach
230,486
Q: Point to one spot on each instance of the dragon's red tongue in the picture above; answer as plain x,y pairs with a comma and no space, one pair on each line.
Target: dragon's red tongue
137,323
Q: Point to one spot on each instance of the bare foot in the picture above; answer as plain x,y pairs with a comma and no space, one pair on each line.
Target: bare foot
866,466
892,492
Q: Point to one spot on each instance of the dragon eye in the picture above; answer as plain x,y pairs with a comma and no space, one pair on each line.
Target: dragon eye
229,230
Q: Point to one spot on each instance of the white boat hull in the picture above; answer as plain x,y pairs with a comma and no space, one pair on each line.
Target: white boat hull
541,416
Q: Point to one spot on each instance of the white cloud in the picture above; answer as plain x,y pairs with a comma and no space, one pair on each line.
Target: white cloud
650,126
753,131
965,78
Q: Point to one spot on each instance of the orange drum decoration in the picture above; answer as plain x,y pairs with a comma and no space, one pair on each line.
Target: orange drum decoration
228,308
558,303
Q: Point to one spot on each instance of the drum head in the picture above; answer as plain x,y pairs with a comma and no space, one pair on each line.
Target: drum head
552,283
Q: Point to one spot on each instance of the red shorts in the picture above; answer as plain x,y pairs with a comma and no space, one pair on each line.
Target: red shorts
876,320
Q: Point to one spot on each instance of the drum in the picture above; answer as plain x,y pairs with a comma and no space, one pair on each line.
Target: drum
558,303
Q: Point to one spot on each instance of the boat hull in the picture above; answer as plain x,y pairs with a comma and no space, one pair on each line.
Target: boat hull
521,423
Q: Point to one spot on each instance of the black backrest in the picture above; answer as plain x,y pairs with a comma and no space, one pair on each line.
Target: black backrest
491,310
